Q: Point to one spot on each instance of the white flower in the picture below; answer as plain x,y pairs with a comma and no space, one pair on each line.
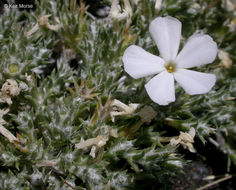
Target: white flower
199,50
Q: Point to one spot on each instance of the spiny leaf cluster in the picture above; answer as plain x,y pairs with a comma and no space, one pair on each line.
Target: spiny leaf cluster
77,72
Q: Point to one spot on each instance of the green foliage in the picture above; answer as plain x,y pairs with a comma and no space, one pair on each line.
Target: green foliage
76,72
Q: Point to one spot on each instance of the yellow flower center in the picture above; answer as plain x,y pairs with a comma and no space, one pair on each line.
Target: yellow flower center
170,67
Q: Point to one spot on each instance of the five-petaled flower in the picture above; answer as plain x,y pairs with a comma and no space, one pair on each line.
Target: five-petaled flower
199,50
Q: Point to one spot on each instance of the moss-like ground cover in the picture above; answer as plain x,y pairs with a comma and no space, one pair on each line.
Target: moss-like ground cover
66,61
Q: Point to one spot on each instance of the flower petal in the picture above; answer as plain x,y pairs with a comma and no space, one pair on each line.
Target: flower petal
195,82
199,50
139,63
166,32
161,88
